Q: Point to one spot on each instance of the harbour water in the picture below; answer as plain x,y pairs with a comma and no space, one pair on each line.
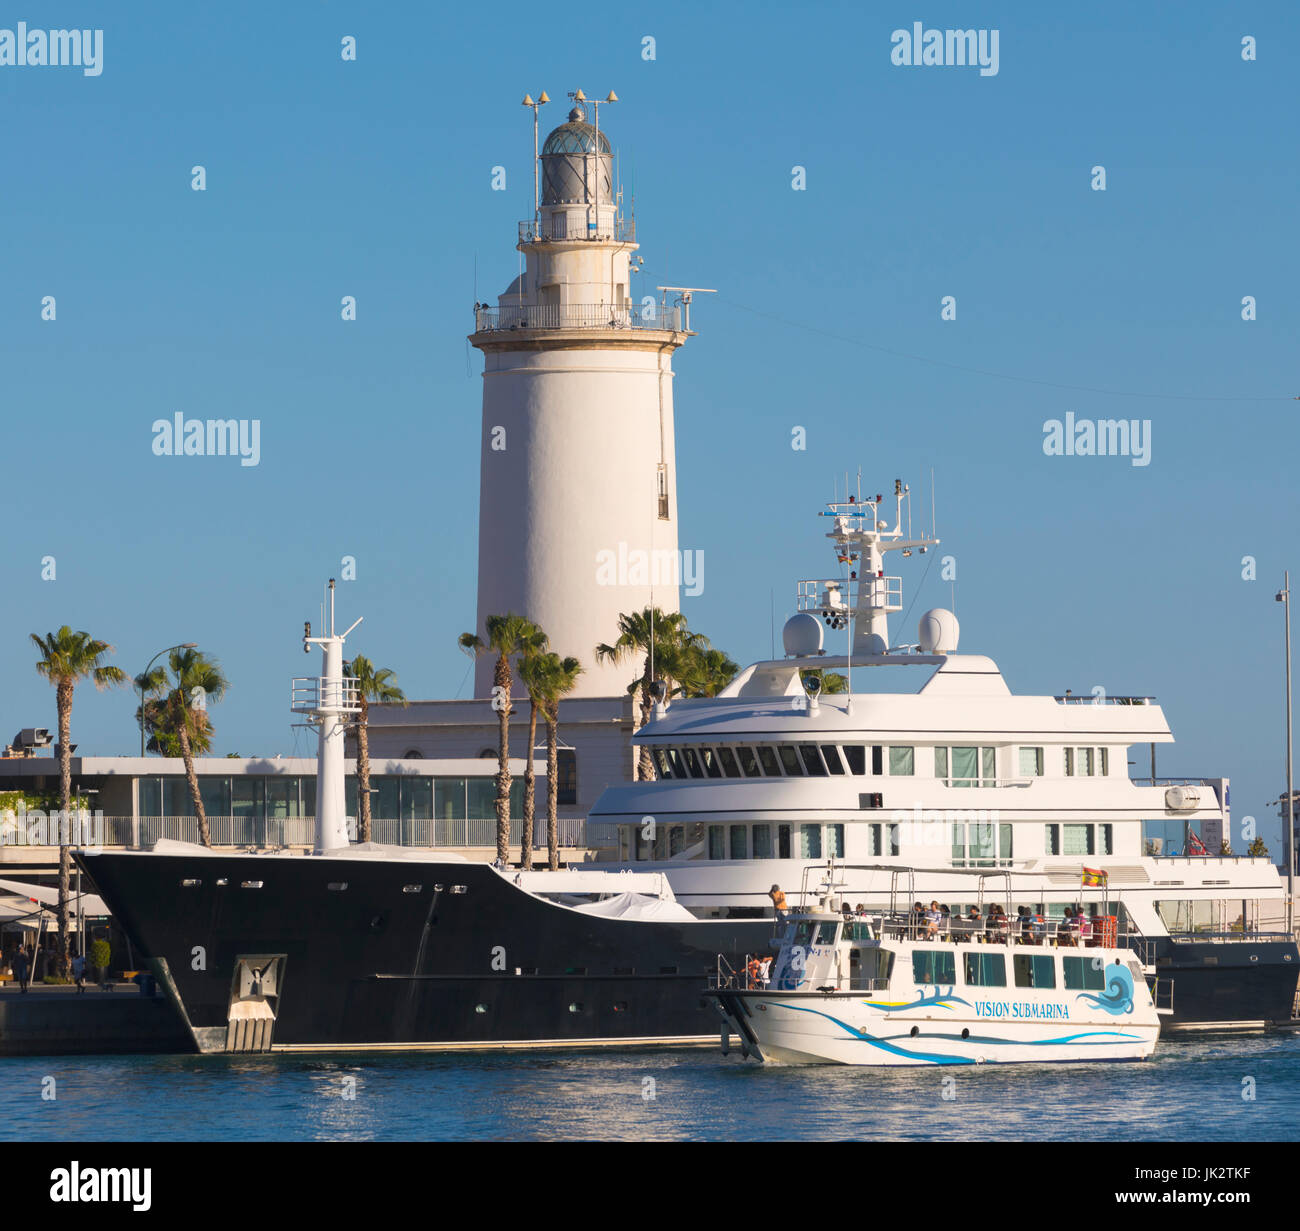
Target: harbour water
1237,1089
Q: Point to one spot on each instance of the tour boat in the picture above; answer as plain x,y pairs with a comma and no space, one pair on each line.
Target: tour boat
916,988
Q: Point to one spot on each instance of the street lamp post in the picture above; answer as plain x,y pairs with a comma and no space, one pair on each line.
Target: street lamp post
1284,597
184,645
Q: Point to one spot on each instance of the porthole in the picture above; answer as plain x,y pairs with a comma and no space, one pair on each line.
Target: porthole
480,1008
251,884
222,880
191,882
337,886
915,1031
965,1034
1254,957
460,889
620,1006
412,888
575,1007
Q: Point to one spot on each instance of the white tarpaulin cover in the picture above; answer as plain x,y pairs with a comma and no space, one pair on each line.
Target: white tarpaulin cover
636,906
91,904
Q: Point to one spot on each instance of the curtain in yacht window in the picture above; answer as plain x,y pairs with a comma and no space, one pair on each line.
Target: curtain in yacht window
810,841
1078,840
902,761
965,766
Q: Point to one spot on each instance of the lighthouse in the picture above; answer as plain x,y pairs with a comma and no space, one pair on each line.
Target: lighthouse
577,487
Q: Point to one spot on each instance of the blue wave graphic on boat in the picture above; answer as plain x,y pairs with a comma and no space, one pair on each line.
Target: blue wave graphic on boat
1094,1037
938,1000
1118,997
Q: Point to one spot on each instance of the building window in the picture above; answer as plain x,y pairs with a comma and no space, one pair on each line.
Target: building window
566,778
1031,762
663,490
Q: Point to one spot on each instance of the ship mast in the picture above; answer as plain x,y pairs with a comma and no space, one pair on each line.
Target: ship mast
328,701
866,597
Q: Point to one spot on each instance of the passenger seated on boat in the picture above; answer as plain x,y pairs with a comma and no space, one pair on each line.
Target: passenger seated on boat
860,910
974,925
916,919
932,921
1065,934
1040,929
1085,927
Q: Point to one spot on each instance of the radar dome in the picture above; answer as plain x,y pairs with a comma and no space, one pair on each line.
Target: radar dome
802,635
938,631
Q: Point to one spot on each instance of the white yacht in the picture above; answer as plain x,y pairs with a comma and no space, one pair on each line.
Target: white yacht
929,760
920,988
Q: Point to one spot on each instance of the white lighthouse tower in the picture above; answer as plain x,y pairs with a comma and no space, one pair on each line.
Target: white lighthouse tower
577,495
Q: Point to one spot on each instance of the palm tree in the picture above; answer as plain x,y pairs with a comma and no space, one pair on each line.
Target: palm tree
66,659
557,677
179,715
707,671
533,664
507,635
658,635
372,685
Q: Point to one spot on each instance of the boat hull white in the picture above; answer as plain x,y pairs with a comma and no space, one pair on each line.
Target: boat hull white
846,1028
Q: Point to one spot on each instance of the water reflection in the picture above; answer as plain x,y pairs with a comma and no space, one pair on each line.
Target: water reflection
1235,1089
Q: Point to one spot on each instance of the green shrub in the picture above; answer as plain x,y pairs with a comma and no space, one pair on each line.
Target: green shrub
100,954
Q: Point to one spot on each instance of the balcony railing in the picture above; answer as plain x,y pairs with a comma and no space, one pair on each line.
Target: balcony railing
1088,698
140,833
312,693
578,316
533,231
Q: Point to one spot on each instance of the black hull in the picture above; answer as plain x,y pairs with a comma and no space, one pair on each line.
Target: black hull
469,960
376,966
1240,984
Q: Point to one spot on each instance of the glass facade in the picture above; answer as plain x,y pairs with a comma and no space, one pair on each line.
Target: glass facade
406,797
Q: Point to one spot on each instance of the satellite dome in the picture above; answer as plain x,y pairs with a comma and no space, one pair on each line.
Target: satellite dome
938,631
802,635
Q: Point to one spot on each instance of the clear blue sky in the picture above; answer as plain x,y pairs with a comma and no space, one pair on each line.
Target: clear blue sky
373,179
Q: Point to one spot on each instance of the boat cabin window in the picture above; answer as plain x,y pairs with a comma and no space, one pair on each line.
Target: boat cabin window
1031,762
675,760
831,755
739,841
783,841
856,755
902,761
762,841
803,932
966,766
812,761
826,933
1086,974
985,969
709,759
767,759
877,759
662,766
981,844
931,966
790,761
810,841
1034,970
748,763
727,759
835,840
1080,839
717,842
857,930
1087,762
884,839
692,763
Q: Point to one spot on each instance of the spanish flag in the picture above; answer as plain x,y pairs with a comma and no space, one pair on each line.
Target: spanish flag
1094,876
